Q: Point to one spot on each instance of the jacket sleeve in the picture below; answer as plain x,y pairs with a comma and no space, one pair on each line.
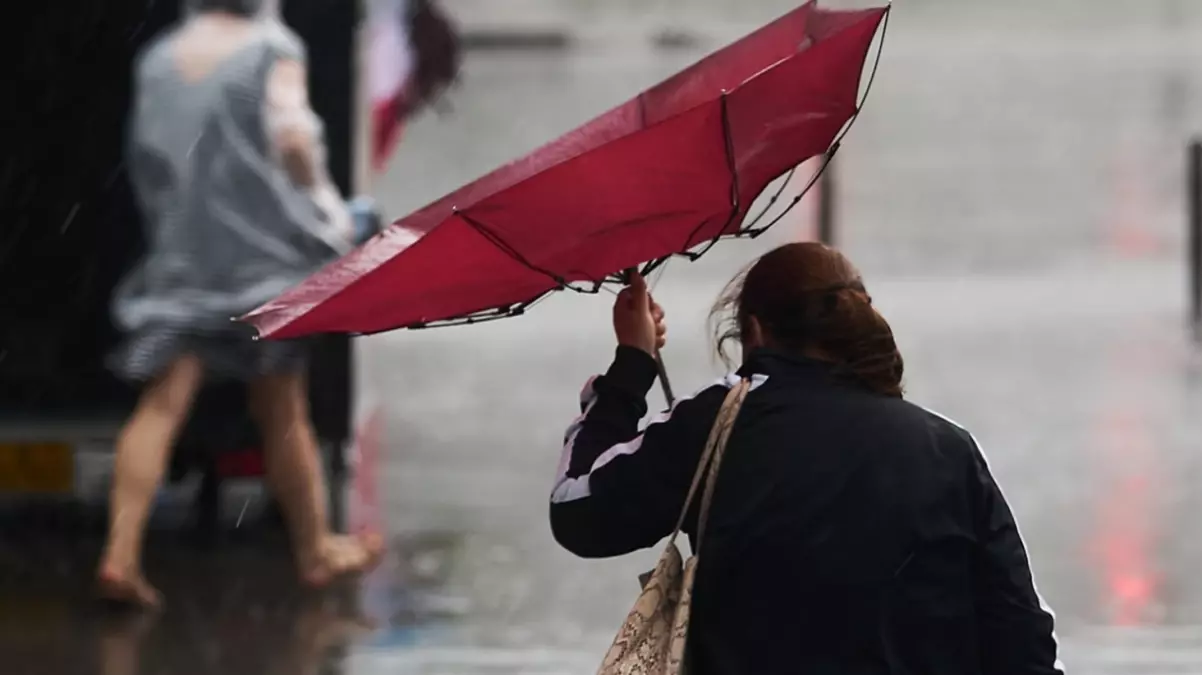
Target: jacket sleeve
1016,628
619,490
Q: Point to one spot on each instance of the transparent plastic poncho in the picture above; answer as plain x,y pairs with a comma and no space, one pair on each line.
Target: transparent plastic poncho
228,226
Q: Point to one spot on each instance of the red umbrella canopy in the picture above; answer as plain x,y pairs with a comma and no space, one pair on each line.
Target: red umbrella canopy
671,169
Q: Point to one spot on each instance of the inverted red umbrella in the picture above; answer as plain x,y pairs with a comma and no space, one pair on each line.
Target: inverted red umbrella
666,173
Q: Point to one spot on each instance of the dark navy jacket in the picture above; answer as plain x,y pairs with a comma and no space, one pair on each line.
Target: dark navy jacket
850,533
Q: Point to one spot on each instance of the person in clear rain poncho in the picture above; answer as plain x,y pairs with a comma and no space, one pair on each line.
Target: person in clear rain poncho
227,160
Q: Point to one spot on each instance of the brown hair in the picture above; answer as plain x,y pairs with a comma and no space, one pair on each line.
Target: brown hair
809,297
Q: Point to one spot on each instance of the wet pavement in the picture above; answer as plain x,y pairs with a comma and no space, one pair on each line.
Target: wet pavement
1015,206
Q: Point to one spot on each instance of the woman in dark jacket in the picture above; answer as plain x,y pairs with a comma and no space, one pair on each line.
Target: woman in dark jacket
851,531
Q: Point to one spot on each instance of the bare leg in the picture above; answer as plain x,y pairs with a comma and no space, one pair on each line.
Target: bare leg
142,450
293,464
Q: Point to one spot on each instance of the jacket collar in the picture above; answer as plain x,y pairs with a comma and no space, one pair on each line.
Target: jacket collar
779,363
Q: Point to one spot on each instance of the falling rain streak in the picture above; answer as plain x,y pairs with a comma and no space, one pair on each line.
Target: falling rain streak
70,217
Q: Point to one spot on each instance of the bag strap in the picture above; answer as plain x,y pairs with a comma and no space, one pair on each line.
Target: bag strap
711,459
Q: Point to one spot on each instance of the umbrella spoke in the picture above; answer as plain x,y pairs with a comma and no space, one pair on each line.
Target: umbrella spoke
485,316
771,200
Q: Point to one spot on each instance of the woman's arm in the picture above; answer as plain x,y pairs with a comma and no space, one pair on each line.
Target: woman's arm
619,490
1016,629
295,134
291,123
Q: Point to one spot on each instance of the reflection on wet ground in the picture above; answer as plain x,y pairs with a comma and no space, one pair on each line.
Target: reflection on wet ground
235,608
1022,237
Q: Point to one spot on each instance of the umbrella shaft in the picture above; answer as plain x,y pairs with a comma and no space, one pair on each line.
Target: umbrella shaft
663,379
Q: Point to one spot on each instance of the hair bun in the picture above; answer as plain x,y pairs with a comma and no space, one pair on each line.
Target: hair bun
798,294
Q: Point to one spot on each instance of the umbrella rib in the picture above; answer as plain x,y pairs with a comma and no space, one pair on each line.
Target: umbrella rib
484,316
754,232
496,240
493,238
561,283
772,200
729,143
732,166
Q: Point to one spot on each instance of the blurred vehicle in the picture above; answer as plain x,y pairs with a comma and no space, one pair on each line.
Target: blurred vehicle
69,229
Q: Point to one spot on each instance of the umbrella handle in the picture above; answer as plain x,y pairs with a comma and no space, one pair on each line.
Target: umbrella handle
659,358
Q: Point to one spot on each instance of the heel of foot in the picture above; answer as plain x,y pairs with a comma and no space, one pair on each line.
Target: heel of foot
129,590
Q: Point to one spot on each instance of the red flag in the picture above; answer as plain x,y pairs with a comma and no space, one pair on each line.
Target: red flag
389,67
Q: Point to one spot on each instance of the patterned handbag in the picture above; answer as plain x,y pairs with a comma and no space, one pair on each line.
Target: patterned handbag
652,640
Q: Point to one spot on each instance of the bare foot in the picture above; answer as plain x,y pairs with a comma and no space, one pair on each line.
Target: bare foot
342,556
128,588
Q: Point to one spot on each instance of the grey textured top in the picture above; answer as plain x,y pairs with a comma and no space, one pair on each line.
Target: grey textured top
226,228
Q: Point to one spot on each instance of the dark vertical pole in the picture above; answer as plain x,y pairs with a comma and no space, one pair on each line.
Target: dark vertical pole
1194,191
827,195
329,29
